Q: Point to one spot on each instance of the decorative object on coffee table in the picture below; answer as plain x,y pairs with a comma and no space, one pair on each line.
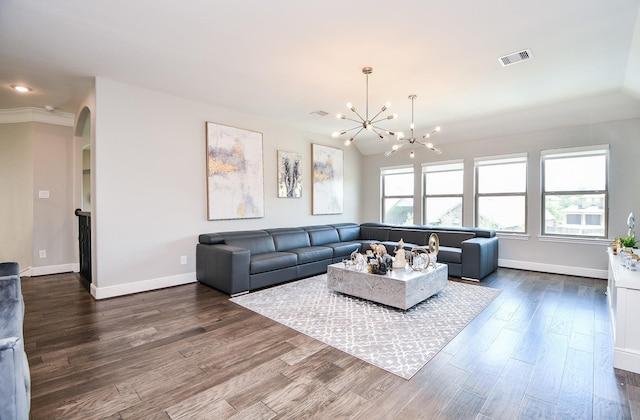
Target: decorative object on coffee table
400,260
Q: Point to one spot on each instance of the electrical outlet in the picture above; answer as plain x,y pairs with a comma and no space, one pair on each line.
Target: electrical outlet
43,253
183,260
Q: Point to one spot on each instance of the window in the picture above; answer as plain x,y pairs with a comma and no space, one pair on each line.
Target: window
397,195
574,191
443,184
501,193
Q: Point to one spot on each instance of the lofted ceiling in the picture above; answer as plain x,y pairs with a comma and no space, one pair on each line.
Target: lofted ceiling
283,59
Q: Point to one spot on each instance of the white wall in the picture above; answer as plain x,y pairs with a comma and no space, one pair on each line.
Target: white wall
586,258
149,201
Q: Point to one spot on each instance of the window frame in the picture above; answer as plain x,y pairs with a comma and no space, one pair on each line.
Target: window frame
568,153
395,170
495,161
454,166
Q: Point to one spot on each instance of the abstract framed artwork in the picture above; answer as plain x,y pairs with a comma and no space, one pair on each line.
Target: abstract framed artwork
235,178
289,174
328,174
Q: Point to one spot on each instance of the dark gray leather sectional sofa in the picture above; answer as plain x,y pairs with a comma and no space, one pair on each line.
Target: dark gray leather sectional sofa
240,261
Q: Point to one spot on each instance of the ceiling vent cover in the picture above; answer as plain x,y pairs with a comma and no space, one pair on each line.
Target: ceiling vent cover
515,57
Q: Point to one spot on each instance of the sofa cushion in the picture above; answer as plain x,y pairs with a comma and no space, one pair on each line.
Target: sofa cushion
292,239
255,244
449,254
413,236
374,231
270,261
322,235
312,254
348,232
453,239
343,249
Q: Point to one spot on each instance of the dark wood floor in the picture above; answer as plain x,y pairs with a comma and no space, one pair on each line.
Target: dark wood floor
541,350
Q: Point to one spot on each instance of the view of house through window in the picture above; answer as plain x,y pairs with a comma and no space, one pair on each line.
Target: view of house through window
501,193
443,183
397,195
574,189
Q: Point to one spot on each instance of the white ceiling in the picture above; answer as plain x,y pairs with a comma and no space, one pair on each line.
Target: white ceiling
283,59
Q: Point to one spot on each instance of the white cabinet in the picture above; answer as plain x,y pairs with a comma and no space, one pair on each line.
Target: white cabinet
623,291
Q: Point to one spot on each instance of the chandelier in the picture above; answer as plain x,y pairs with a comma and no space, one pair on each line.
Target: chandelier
365,123
413,140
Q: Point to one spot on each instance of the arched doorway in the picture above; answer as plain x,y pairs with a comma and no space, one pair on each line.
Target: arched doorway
83,131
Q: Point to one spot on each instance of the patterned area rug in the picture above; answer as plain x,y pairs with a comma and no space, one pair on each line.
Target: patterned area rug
401,342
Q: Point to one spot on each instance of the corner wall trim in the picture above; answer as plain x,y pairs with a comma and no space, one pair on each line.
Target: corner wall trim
141,286
553,268
20,115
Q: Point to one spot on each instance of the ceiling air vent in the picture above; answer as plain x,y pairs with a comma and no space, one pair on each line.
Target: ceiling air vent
515,57
319,113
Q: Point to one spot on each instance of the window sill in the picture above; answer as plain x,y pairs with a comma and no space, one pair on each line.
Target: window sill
571,240
513,236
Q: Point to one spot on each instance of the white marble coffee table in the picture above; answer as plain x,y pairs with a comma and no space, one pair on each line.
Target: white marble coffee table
399,288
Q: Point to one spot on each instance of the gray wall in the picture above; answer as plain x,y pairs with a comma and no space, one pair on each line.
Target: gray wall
579,257
16,190
149,199
35,157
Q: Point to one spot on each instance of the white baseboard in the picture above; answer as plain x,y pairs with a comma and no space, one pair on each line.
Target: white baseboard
141,286
553,268
50,269
626,359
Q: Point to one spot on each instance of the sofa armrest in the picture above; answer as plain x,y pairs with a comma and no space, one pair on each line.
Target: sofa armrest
15,380
479,257
223,267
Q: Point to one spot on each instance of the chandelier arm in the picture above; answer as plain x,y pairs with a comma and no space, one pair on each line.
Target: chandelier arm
378,114
362,120
356,135
351,129
375,130
354,120
377,121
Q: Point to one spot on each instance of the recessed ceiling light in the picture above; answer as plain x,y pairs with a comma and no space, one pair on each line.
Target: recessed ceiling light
21,88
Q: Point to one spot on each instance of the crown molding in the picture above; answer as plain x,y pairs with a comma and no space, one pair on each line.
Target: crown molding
20,115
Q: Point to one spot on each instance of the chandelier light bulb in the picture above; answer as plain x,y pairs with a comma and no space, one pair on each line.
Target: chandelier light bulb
395,147
436,129
412,154
341,116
